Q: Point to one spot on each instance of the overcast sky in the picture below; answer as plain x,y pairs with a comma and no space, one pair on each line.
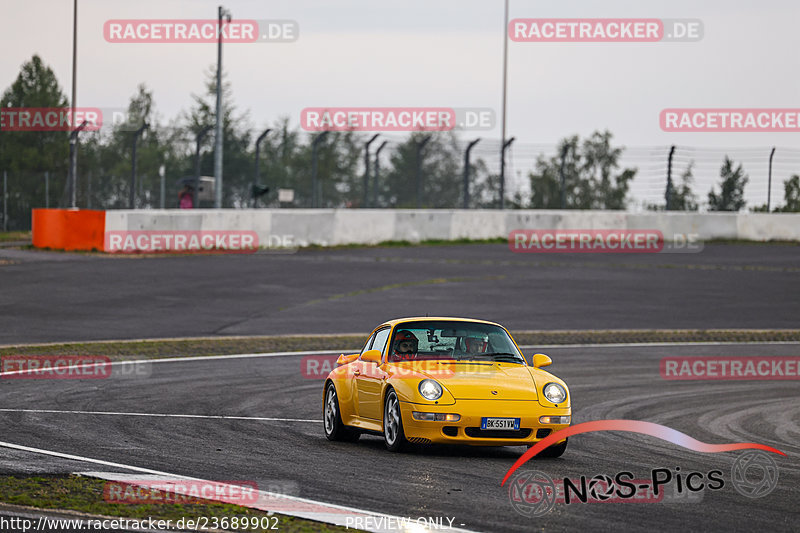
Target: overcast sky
439,53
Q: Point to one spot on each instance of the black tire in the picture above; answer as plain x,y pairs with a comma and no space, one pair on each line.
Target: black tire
556,450
332,418
393,434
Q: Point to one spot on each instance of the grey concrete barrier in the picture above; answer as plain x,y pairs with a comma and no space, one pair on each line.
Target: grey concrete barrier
327,227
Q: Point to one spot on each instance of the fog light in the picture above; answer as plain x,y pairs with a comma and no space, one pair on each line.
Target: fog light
435,417
554,419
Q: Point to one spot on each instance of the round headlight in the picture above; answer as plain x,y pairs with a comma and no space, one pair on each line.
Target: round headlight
430,390
554,393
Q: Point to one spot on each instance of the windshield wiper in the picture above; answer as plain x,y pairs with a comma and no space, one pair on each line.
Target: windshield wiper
503,357
506,357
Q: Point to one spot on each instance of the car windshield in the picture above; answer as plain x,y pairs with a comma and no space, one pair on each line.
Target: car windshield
441,339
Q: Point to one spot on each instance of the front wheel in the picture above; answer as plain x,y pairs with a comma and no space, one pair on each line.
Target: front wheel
334,427
393,434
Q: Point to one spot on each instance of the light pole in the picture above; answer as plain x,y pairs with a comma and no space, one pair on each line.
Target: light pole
258,162
503,141
132,195
73,160
366,170
198,142
377,173
221,13
73,154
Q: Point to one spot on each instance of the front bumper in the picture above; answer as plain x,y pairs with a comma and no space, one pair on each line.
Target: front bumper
467,430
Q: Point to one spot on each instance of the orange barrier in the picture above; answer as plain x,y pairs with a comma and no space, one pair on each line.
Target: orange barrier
69,229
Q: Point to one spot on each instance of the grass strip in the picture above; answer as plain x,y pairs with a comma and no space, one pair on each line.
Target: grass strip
85,495
349,343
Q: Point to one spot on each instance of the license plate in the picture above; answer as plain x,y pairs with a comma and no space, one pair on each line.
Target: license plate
499,423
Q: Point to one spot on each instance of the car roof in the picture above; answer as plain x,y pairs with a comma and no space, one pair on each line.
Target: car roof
396,321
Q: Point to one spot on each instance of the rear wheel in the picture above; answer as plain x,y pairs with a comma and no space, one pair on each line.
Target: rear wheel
556,450
393,433
334,427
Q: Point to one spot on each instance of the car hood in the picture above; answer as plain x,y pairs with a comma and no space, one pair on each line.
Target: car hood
472,380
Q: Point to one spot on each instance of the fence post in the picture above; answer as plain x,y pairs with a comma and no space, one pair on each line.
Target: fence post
562,178
769,179
418,181
503,149
376,174
163,191
466,171
315,195
668,194
365,202
5,201
47,189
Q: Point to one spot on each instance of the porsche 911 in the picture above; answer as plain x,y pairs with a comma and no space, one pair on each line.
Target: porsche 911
445,381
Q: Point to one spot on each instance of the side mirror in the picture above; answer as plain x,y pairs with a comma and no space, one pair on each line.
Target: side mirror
371,356
540,360
344,359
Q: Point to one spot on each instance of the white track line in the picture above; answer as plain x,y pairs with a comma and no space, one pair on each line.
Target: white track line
334,352
164,415
174,360
268,501
652,344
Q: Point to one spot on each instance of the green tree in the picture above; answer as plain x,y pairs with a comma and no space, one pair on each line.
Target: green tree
26,156
106,158
731,197
441,180
681,196
339,181
281,163
592,175
791,195
237,161
483,186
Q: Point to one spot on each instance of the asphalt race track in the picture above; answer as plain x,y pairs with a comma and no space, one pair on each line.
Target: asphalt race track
463,483
59,297
54,297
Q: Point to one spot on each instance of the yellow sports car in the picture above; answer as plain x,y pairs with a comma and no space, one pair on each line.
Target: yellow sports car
444,380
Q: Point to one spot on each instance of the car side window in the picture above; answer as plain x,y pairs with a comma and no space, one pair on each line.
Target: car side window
381,337
368,343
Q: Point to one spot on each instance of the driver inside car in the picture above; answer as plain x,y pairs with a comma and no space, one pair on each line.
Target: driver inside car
405,346
476,343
